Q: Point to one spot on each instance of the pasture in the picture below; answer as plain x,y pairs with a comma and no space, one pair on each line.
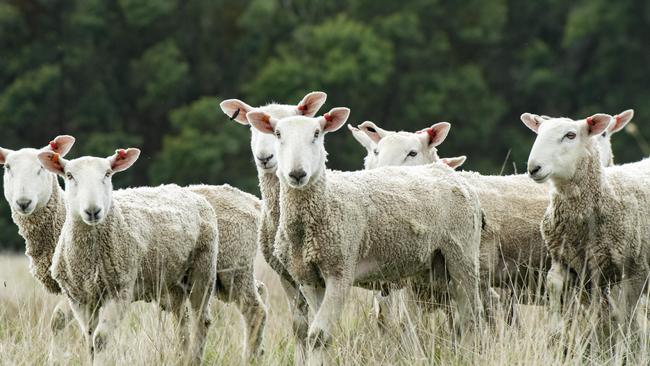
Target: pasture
146,335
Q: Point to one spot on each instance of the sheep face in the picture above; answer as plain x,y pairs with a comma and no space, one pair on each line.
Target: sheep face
299,143
263,145
88,181
405,148
560,144
27,186
604,139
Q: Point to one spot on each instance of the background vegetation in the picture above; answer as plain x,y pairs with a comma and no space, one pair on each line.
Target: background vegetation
150,73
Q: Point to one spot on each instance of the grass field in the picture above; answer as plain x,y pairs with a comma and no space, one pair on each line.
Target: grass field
146,336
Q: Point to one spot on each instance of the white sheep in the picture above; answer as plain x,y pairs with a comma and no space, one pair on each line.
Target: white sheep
38,209
597,225
390,148
263,148
151,244
357,228
238,222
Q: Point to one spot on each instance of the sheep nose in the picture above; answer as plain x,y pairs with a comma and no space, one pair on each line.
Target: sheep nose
24,203
534,169
297,175
93,212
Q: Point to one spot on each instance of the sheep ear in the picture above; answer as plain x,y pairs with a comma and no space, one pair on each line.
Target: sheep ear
262,121
334,119
52,162
454,162
311,103
436,134
375,133
60,145
361,137
3,155
123,159
620,120
236,110
532,121
597,123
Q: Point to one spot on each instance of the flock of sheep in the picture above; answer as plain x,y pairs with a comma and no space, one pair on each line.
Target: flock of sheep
408,220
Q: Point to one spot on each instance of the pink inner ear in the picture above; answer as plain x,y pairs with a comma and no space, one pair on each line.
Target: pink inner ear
328,117
303,108
432,134
54,146
121,154
590,121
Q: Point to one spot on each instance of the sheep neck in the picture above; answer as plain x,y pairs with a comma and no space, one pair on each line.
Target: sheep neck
97,248
41,232
573,219
303,211
270,190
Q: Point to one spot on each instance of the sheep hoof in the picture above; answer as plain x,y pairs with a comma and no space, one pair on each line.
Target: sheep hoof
319,338
99,342
58,321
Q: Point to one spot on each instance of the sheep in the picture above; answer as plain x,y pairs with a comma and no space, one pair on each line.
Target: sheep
263,149
596,227
511,242
341,229
238,222
400,149
38,209
141,244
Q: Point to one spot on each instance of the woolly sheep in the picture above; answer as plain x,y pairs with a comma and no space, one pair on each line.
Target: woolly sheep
238,222
263,148
511,244
152,244
597,224
390,148
38,209
338,229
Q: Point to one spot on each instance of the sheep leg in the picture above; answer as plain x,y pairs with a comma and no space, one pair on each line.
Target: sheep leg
464,272
203,283
555,283
633,290
61,316
300,318
88,320
320,331
384,302
253,311
110,314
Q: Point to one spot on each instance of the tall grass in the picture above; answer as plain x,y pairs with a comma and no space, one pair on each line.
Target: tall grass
146,336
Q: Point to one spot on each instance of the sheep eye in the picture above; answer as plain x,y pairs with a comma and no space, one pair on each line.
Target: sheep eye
412,153
376,151
7,167
69,176
277,134
108,174
570,135
316,134
604,134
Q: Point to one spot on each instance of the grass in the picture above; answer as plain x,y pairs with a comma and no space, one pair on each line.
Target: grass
146,336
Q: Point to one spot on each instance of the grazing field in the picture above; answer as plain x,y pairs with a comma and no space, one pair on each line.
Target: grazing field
146,336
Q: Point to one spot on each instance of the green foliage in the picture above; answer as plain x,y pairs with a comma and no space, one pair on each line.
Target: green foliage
150,73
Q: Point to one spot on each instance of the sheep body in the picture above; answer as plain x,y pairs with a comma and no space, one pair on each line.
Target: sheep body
238,221
154,245
322,228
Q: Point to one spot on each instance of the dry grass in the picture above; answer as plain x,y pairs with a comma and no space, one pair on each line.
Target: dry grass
146,336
